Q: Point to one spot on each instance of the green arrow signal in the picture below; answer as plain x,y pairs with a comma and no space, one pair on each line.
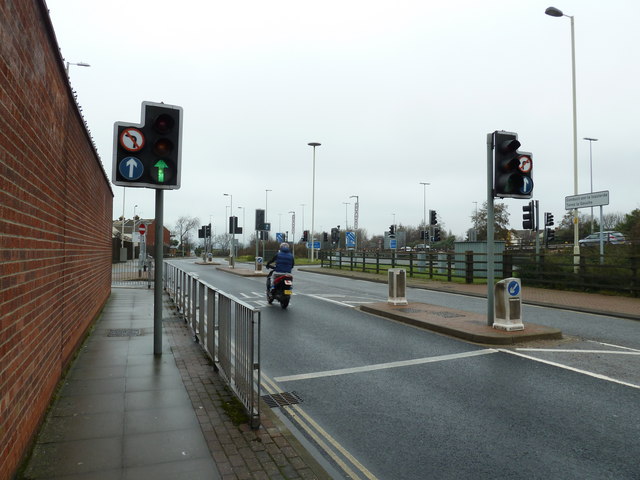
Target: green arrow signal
161,165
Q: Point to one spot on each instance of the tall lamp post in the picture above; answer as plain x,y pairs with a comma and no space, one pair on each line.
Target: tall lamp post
313,195
424,209
591,140
293,232
243,226
554,12
346,215
356,214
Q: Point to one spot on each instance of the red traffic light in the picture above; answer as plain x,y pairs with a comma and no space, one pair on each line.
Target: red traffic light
163,123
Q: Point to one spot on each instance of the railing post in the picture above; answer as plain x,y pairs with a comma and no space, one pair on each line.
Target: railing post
468,271
449,263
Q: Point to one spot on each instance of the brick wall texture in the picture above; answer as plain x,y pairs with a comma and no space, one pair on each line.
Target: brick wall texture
55,225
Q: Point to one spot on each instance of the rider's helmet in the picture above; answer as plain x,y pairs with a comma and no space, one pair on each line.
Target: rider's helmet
284,245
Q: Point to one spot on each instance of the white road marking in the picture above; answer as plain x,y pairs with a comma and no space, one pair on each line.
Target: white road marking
615,346
329,300
567,367
569,350
383,366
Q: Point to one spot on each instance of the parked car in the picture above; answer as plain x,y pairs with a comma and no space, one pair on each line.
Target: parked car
593,240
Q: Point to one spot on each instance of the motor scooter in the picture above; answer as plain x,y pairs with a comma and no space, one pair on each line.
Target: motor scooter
282,288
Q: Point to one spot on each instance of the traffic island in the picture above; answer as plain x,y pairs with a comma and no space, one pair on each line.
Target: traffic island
458,323
243,272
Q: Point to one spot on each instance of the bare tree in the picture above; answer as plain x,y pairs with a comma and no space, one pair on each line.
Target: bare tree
183,228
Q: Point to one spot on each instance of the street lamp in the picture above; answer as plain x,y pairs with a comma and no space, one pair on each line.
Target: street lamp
302,227
79,64
554,12
424,209
346,215
591,140
243,229
293,232
233,230
313,194
266,202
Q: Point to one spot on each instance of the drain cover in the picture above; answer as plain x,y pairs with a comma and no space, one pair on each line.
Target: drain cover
447,314
124,332
282,399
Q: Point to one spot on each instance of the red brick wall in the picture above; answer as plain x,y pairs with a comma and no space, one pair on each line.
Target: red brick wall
55,225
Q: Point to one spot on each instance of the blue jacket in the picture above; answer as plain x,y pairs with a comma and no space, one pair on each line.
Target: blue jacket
284,261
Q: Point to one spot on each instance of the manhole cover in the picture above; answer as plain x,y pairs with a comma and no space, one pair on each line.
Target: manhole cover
124,332
447,314
410,310
282,399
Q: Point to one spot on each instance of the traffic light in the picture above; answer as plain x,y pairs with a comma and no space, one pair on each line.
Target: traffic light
436,235
335,235
528,217
392,229
512,169
259,220
305,236
149,154
422,234
233,226
433,217
325,236
208,231
548,219
551,235
201,232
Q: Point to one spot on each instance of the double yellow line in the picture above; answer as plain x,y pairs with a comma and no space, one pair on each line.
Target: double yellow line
347,462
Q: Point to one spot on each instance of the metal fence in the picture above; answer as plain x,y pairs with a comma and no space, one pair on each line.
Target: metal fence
133,273
227,329
619,272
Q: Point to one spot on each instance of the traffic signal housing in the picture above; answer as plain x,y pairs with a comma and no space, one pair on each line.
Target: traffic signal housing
529,215
433,217
149,154
392,229
436,235
512,169
305,236
548,219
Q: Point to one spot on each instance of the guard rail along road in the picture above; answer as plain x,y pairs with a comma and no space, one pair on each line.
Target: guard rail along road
227,329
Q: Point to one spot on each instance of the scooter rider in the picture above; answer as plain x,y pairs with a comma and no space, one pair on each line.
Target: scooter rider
283,260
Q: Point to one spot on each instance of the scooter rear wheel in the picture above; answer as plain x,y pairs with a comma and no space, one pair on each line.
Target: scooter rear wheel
284,303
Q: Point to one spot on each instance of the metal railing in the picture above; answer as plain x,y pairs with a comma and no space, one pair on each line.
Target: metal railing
134,273
227,329
551,269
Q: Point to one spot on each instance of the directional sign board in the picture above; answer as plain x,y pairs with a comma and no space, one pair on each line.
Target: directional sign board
351,239
584,200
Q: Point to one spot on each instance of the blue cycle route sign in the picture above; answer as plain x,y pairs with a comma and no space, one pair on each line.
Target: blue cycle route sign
393,244
131,168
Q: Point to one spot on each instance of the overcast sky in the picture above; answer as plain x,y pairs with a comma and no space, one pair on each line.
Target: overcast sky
397,93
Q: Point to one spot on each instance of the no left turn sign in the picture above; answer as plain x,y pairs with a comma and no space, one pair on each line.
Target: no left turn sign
132,139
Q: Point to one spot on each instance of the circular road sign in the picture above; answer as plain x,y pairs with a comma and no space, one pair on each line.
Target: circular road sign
526,164
131,168
142,229
132,139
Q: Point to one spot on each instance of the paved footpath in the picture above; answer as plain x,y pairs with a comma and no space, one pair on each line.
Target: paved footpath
123,413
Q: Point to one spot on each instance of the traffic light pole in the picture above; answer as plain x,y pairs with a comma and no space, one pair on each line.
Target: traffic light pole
157,288
490,231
